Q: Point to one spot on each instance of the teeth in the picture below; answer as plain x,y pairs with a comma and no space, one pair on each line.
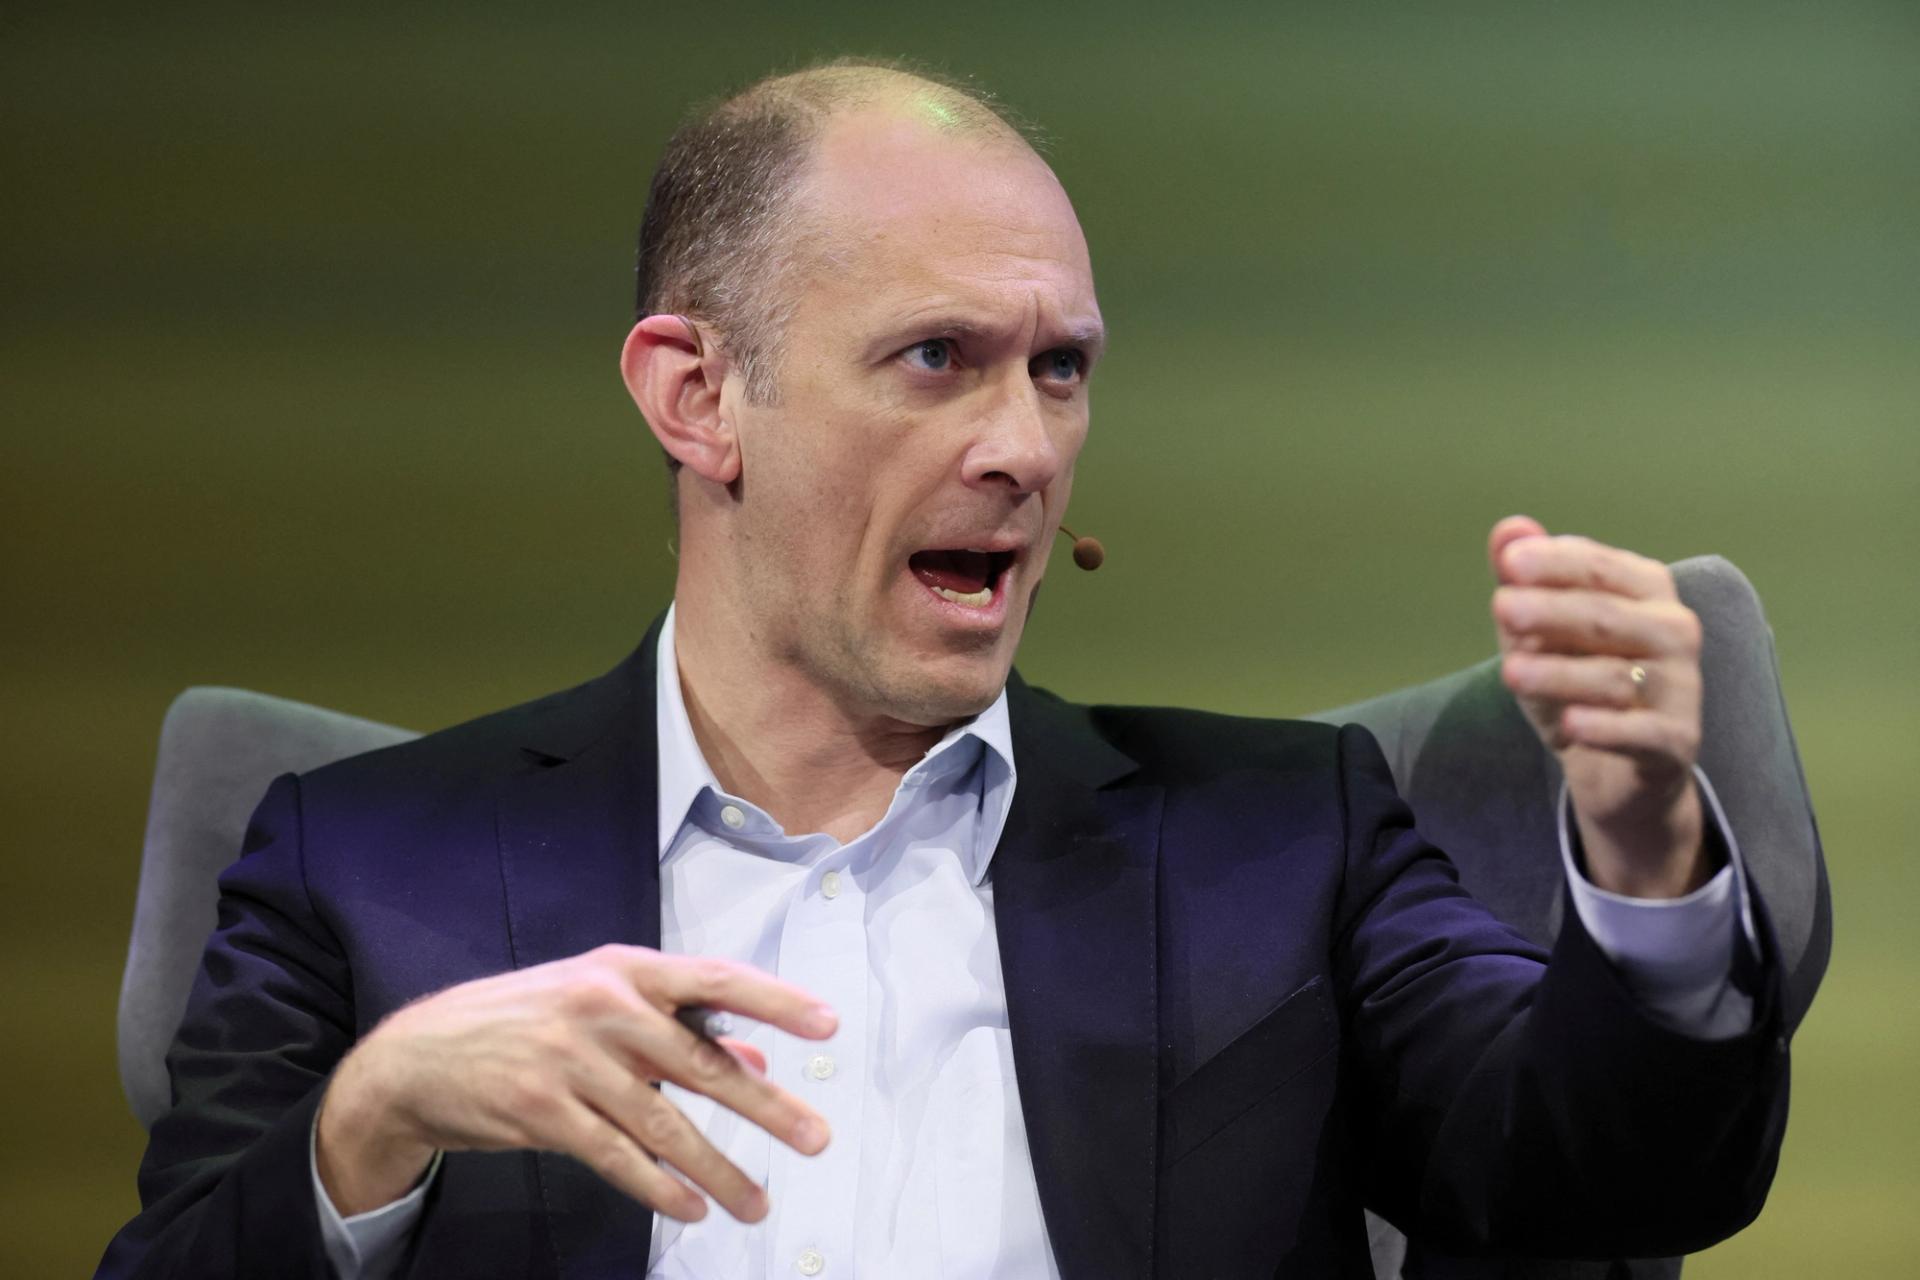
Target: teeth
978,599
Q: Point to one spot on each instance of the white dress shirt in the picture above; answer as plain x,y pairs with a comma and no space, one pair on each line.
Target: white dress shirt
928,1173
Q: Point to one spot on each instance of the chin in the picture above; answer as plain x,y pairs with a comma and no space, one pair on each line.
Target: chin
942,691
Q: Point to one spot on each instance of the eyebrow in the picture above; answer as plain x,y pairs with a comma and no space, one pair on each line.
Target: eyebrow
1090,337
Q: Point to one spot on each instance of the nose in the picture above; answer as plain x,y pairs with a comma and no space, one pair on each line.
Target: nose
1016,448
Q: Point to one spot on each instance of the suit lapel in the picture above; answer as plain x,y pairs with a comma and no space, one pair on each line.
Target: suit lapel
1075,912
580,868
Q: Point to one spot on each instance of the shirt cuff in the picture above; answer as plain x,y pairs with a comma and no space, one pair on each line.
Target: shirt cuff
1676,955
367,1246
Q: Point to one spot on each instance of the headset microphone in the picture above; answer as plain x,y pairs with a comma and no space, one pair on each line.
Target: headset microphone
1087,552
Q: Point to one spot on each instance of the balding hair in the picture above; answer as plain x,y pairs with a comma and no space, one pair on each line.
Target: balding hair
723,234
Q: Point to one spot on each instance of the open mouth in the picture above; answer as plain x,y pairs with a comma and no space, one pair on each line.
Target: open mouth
963,576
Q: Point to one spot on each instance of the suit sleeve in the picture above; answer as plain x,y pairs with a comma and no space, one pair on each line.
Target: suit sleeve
225,1186
1514,1110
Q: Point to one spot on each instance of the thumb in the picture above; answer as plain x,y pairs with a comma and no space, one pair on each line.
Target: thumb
1508,531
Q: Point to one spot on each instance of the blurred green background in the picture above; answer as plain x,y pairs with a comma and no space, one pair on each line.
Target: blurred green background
307,384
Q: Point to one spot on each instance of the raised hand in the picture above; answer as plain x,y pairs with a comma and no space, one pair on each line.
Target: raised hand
1605,661
565,1057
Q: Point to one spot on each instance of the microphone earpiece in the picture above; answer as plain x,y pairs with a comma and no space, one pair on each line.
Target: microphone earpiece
1087,552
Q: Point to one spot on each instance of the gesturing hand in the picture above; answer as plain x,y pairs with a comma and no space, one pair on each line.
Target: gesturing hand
564,1057
1605,661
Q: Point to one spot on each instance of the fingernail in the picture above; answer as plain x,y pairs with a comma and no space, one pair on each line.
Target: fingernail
822,1019
810,1134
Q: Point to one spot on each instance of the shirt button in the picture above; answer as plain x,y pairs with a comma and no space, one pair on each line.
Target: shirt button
821,1067
830,885
733,817
810,1263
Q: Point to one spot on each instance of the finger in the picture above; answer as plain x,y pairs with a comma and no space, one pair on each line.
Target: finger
1510,530
670,1052
750,1058
1556,620
1591,681
1573,561
657,1126
607,1149
1649,736
673,981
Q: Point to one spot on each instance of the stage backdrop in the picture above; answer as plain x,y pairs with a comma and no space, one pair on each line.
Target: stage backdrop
307,384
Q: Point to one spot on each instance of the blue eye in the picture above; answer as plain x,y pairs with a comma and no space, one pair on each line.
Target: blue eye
1062,364
935,355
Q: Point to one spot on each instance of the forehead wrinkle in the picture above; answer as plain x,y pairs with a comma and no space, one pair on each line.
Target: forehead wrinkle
864,260
964,293
949,317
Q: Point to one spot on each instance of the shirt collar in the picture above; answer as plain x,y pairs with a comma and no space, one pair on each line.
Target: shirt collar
684,772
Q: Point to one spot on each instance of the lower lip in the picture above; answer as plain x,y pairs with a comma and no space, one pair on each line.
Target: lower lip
985,617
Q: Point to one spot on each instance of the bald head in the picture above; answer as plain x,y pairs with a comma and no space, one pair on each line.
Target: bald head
851,86
726,231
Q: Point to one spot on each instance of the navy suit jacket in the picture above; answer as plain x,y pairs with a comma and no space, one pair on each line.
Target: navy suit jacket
1246,998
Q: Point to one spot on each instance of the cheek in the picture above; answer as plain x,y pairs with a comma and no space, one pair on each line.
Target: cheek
1074,438
1059,492
799,458
834,498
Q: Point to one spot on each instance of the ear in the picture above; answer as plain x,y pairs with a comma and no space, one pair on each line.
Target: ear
675,377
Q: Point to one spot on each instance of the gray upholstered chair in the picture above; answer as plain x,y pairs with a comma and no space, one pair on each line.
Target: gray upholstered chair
1483,789
1459,749
219,748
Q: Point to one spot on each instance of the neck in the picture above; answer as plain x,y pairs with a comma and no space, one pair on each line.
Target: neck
773,737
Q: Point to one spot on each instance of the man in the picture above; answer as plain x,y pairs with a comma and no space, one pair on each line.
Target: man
1062,991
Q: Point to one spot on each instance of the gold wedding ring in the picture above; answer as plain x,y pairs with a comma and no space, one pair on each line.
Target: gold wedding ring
1638,674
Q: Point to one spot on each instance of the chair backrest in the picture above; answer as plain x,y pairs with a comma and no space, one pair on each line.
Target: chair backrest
219,748
1482,787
